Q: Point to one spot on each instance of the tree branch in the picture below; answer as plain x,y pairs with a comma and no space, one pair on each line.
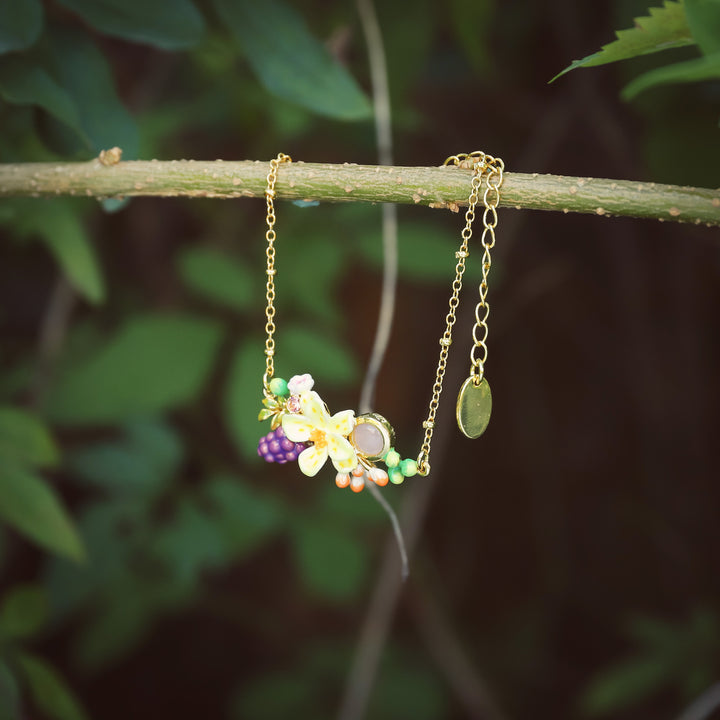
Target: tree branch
437,187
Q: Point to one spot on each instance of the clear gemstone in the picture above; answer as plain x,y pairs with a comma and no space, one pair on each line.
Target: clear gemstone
293,404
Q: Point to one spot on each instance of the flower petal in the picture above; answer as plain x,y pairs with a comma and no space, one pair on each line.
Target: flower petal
342,453
313,408
341,423
296,427
312,459
300,383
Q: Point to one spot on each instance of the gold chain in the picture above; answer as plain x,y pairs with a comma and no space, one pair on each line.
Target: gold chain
484,166
491,199
270,271
480,163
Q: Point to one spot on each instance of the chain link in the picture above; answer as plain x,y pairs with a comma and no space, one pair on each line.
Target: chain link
485,167
491,199
491,168
270,271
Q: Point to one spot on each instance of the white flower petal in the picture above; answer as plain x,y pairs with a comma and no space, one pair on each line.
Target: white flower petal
312,459
341,423
340,448
297,428
342,454
344,466
314,410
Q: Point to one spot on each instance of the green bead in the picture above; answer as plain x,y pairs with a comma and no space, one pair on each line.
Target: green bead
392,459
395,475
278,386
408,468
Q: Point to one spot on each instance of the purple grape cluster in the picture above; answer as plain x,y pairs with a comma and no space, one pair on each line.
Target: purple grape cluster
275,447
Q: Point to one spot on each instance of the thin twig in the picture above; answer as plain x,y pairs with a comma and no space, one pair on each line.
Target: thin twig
703,706
397,530
51,338
444,644
383,127
383,602
359,685
383,132
436,187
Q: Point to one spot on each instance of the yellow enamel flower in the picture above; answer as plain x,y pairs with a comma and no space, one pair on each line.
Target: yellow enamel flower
327,434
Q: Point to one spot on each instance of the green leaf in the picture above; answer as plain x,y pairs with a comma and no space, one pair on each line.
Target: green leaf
289,61
703,68
31,506
132,603
113,633
407,688
331,562
22,82
9,694
152,364
23,612
115,467
24,439
658,636
472,23
58,224
20,24
111,530
167,24
425,253
322,258
243,398
306,350
158,442
624,684
244,517
218,277
278,695
72,247
189,543
141,463
703,17
666,27
85,75
48,689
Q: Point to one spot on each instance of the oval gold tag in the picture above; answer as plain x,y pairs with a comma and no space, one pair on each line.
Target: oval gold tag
474,405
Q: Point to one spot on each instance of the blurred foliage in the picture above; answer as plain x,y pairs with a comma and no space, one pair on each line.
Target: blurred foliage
673,654
23,615
128,423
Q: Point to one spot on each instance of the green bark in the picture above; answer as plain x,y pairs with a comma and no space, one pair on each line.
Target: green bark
437,187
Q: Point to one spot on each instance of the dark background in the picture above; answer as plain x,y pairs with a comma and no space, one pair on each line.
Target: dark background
567,560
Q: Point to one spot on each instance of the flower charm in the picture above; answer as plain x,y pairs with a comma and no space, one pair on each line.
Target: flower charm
300,384
328,435
302,429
